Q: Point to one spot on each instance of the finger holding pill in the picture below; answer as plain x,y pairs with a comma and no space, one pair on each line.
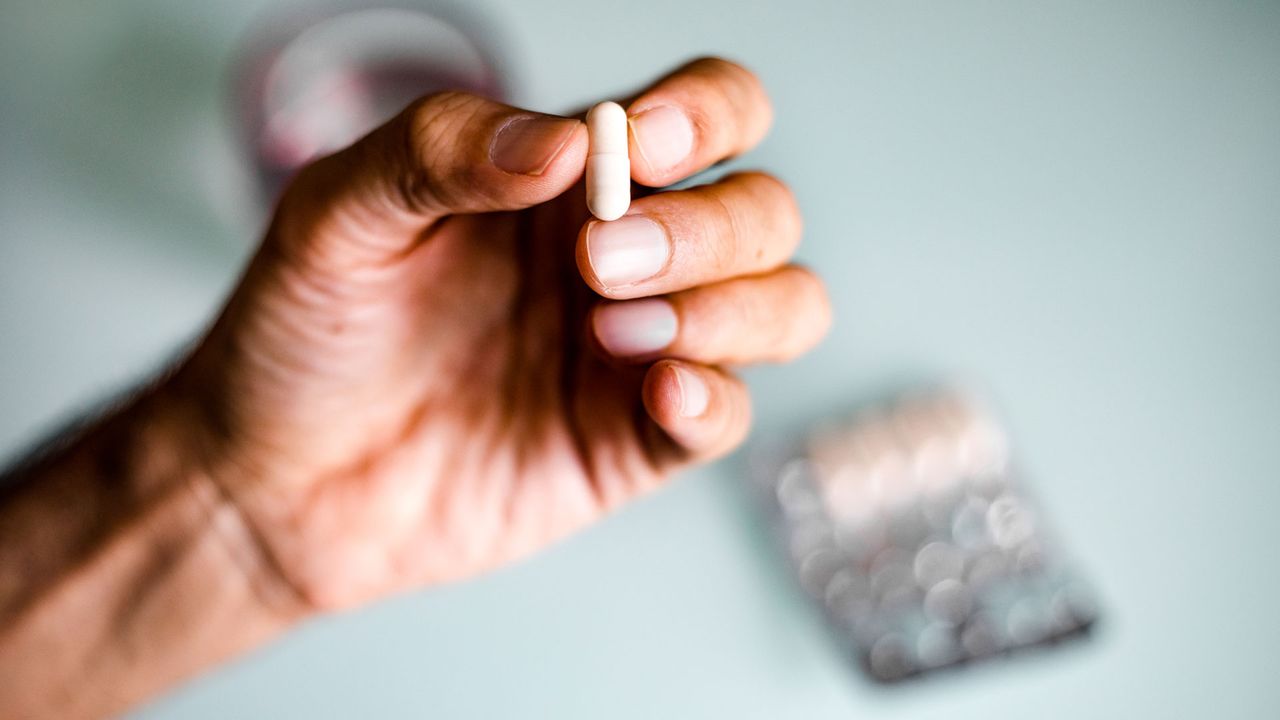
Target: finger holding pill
743,224
705,112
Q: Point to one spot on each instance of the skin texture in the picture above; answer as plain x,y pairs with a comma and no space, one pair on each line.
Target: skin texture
406,388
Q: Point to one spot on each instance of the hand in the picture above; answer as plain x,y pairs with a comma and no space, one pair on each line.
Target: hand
415,382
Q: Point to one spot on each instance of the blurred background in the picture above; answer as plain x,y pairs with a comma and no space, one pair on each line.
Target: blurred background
1074,205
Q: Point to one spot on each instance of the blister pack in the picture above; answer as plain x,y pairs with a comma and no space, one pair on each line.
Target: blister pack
907,523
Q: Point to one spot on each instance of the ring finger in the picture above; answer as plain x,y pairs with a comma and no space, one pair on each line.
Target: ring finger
769,318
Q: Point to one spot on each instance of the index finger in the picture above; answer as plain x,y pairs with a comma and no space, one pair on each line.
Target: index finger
704,112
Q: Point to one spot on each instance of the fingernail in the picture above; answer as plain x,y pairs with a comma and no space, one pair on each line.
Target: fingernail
664,137
626,250
636,327
527,145
694,395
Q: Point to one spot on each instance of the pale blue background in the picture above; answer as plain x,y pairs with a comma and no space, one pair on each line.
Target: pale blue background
1075,204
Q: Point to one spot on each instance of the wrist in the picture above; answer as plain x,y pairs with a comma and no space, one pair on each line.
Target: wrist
170,457
123,536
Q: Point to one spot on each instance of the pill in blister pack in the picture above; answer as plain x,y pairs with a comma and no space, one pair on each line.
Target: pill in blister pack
905,523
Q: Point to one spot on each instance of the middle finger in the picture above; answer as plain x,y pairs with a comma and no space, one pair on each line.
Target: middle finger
745,224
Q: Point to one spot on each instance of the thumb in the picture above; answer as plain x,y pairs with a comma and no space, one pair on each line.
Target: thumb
447,153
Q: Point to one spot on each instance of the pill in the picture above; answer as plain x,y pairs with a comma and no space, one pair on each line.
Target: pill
608,167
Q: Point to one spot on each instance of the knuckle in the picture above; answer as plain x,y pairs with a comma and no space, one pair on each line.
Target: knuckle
706,65
783,209
815,304
773,207
723,229
790,314
432,123
774,191
811,286
434,119
429,109
722,67
744,93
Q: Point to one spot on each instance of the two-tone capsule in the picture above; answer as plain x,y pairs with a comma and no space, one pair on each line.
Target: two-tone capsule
608,166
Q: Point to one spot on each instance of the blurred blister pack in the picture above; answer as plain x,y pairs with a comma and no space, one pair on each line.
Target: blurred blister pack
908,524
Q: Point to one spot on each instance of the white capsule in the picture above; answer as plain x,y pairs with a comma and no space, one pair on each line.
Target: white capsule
608,167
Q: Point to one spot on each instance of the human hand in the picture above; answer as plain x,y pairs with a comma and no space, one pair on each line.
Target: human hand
416,381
